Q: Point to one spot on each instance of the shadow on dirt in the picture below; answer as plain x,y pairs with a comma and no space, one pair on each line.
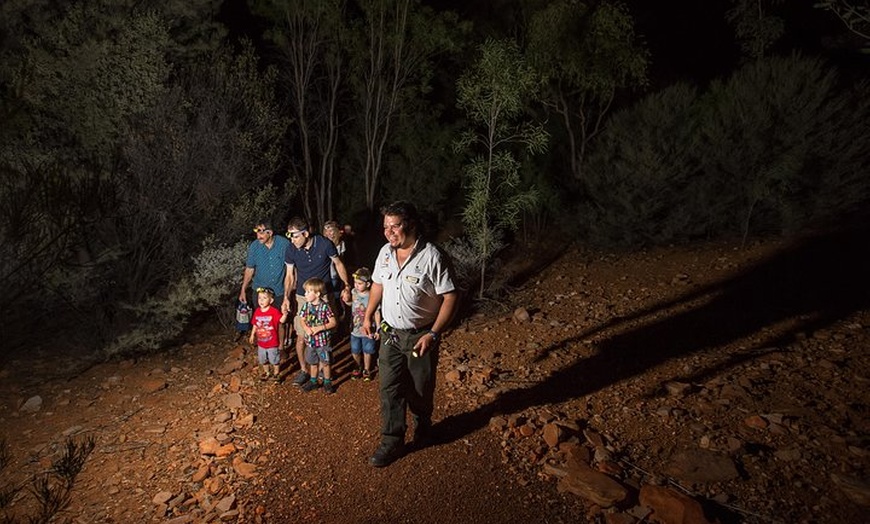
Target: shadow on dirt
816,281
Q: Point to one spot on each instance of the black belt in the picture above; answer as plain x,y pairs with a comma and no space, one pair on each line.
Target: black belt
386,328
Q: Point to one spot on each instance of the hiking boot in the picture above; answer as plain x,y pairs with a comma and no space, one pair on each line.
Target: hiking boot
311,385
386,455
328,387
301,379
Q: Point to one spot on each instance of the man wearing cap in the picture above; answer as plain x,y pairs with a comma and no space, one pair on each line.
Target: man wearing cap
413,286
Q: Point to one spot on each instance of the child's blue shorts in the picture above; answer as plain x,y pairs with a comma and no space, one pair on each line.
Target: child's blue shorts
362,345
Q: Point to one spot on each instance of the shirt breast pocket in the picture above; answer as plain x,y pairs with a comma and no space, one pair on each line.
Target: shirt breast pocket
419,284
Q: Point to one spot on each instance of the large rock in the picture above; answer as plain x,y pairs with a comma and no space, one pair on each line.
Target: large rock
599,488
671,507
552,434
245,469
32,405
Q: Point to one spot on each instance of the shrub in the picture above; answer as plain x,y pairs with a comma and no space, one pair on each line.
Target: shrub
645,165
216,276
771,150
50,490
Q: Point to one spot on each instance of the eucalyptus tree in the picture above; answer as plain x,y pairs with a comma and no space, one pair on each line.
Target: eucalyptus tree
396,43
311,38
587,53
494,92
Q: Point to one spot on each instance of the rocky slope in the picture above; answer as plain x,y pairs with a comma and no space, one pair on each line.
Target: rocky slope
679,385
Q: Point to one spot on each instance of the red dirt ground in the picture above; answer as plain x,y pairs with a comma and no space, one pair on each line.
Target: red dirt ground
754,356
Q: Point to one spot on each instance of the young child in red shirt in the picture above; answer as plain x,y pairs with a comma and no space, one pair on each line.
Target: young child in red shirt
266,330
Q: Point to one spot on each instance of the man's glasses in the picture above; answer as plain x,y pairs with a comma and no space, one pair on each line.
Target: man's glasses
294,234
392,227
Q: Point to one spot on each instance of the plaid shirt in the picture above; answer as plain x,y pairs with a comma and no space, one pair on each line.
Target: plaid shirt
317,315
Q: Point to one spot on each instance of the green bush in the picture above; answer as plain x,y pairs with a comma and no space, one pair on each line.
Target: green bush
644,168
774,149
781,143
215,278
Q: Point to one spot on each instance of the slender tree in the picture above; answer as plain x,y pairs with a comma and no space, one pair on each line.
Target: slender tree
311,37
493,93
587,53
393,62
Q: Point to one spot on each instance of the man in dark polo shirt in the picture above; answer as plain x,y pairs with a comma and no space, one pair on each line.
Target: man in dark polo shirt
310,256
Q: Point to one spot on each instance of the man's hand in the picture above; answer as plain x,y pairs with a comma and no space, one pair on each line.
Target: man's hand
423,344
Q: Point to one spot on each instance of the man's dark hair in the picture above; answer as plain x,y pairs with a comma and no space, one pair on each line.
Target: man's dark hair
407,212
297,223
266,222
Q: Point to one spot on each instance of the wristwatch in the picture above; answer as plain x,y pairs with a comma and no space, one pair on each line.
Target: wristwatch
435,335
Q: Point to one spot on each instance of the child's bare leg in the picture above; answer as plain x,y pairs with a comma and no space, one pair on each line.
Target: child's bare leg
368,362
327,371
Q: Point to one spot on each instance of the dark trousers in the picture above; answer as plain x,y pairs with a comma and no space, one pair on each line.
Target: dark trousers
406,383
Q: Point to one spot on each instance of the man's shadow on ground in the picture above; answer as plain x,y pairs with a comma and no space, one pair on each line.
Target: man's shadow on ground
817,280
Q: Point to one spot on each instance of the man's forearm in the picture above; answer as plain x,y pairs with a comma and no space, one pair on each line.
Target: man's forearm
446,312
375,294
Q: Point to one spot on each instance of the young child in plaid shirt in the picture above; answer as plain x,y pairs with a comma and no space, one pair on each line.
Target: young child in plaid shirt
317,321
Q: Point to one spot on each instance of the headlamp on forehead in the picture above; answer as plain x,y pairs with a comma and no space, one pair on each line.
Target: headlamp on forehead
363,274
267,290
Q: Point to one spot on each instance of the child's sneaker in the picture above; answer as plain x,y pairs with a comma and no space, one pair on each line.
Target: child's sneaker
328,388
367,375
357,373
264,377
311,385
